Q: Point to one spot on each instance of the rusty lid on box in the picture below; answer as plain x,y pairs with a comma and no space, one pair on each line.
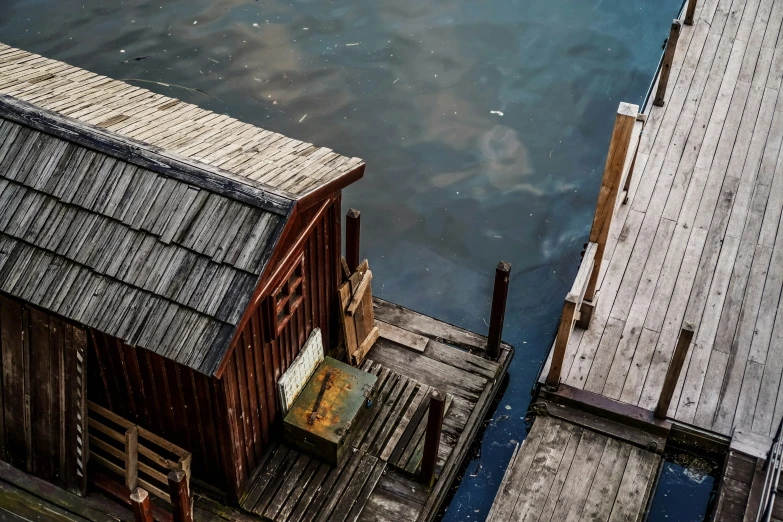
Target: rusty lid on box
331,400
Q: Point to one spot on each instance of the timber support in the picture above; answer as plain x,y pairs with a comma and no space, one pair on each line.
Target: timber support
666,65
498,314
673,373
352,229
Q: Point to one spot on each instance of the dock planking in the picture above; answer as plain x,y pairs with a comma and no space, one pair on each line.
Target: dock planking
700,241
566,472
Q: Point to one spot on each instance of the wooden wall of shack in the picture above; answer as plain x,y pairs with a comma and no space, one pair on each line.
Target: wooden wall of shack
227,422
251,371
42,410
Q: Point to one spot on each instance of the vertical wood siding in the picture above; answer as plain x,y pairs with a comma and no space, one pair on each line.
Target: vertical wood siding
41,393
173,401
257,362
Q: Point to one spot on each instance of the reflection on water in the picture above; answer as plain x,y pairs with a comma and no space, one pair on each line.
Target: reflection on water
484,126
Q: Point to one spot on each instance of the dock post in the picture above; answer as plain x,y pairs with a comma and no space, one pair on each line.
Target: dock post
180,496
607,199
666,64
498,314
690,12
352,226
432,438
140,503
561,343
131,457
673,373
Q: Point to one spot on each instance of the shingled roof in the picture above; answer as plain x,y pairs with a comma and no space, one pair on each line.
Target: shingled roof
155,248
293,166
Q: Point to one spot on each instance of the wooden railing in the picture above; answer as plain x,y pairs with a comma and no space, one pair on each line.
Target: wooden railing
571,313
139,457
615,185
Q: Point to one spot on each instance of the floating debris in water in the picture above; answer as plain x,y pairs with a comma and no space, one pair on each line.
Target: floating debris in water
698,470
352,44
255,25
499,113
194,23
302,119
122,50
508,407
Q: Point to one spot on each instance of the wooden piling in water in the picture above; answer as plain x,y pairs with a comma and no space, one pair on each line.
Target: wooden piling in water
140,503
432,438
673,373
666,65
352,233
498,313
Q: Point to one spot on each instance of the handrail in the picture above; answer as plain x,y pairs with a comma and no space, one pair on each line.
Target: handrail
620,161
118,451
570,315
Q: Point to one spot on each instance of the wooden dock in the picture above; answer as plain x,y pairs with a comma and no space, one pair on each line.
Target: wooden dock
290,486
686,248
699,241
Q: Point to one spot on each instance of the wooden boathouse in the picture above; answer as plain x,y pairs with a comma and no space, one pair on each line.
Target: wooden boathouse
168,276
673,330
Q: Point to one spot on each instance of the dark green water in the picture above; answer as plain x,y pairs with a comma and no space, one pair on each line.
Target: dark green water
451,187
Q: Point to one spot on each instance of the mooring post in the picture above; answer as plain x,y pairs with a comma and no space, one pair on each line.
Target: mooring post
607,198
432,438
352,225
666,64
498,314
180,496
673,373
140,503
690,12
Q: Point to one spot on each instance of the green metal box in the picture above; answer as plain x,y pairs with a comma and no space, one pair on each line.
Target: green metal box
334,400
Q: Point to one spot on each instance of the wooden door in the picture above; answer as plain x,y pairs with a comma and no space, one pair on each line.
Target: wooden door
43,395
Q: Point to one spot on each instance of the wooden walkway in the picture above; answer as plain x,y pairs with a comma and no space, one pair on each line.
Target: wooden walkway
565,472
699,240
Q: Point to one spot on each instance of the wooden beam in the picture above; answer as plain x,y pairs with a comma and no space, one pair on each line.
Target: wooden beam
180,497
432,438
666,64
140,502
690,12
352,233
607,196
561,342
358,294
131,457
498,313
148,157
673,373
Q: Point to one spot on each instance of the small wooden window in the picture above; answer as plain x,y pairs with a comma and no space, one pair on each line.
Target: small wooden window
288,297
